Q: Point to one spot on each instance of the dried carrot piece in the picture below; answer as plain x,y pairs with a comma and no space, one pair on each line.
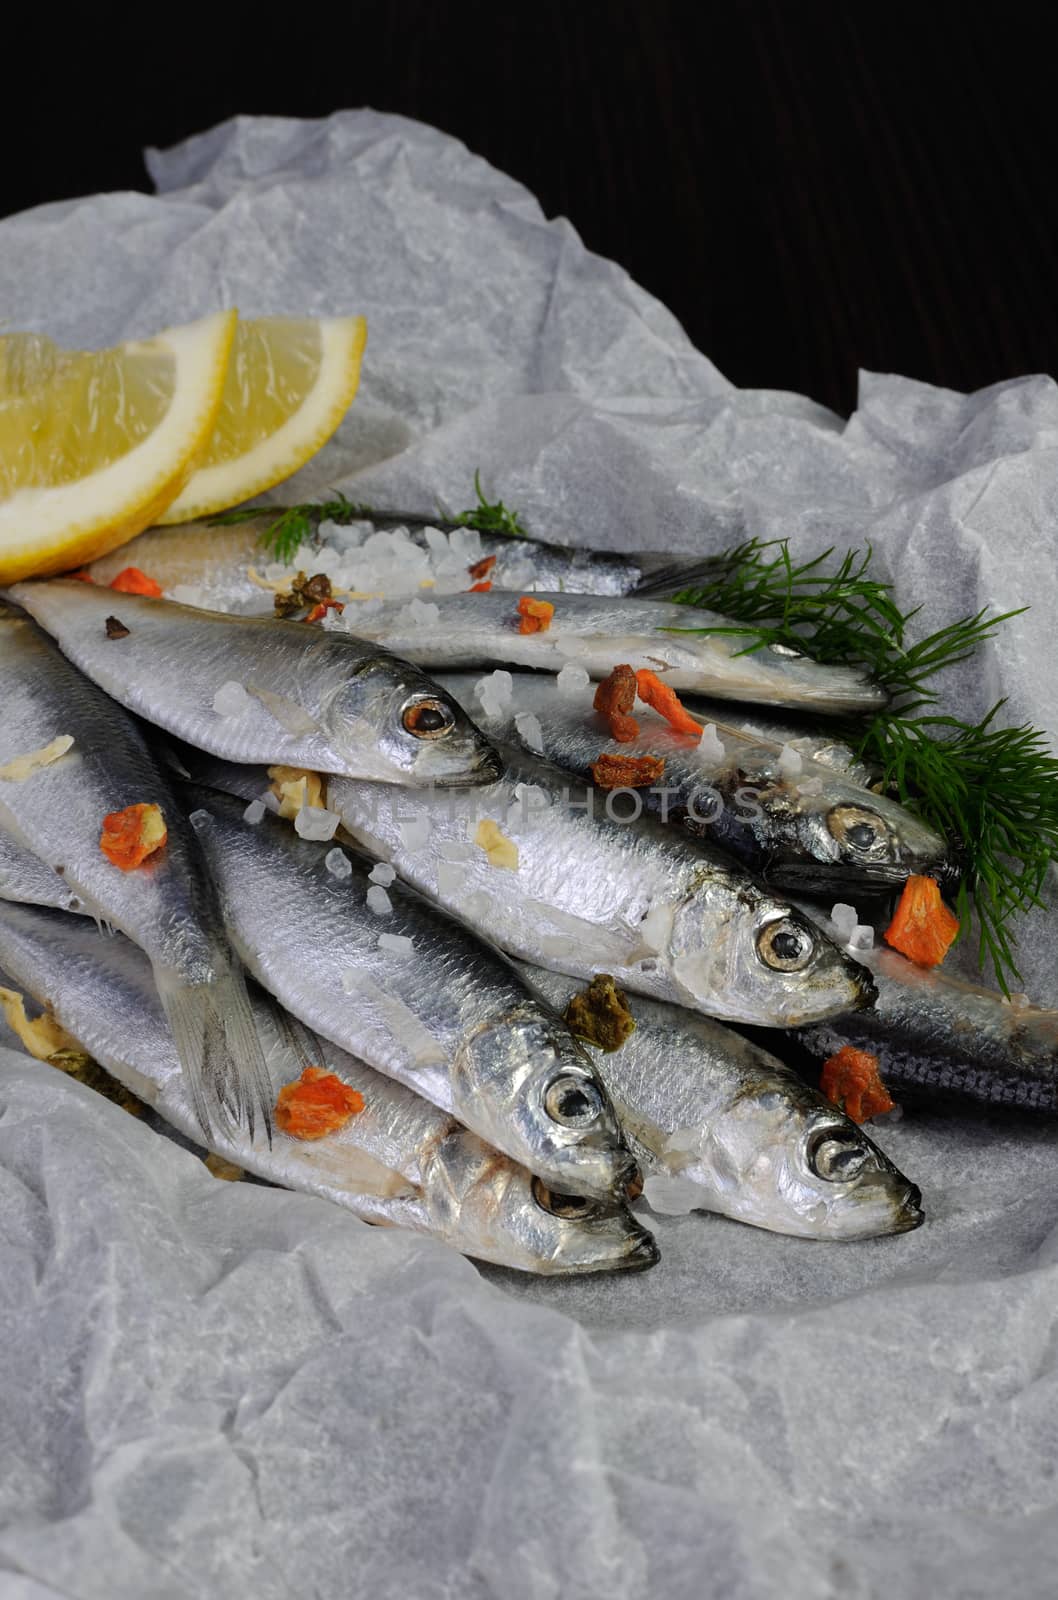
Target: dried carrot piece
130,836
614,698
626,772
480,588
316,1104
535,614
82,575
667,702
482,568
133,581
852,1081
922,928
320,610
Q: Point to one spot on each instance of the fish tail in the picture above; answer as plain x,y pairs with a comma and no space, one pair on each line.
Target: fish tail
669,580
220,1050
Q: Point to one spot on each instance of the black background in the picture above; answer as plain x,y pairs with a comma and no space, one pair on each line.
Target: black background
811,187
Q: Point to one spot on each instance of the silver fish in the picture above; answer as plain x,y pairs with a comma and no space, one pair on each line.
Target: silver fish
449,1017
55,811
793,821
311,698
23,876
718,1124
937,1036
398,1162
216,559
662,912
475,630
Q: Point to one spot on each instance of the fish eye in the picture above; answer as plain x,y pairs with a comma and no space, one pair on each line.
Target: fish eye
426,717
836,1158
785,945
861,831
561,1205
574,1102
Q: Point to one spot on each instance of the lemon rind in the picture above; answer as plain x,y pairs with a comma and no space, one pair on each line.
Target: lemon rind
297,440
47,530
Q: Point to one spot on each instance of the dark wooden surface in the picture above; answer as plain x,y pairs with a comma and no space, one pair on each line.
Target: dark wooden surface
810,186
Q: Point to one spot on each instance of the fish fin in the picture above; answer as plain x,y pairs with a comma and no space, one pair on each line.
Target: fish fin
220,1050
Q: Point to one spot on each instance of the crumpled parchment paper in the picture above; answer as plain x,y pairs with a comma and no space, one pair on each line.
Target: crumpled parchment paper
213,1389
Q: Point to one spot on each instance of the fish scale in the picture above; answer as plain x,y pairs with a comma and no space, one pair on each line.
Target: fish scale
313,698
452,1020
165,905
399,1161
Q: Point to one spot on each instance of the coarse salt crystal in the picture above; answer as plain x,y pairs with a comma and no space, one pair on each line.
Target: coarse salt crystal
423,611
710,747
845,920
415,835
270,801
398,943
790,763
378,901
254,811
670,1196
382,873
457,850
494,692
530,731
861,937
231,700
338,864
313,822
572,680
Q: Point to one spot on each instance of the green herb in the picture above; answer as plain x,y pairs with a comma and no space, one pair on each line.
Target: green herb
294,526
991,790
490,516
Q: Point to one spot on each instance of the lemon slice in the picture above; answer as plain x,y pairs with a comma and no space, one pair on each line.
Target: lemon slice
289,384
94,445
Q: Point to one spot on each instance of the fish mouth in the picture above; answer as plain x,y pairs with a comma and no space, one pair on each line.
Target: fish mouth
488,768
642,1254
909,1212
866,989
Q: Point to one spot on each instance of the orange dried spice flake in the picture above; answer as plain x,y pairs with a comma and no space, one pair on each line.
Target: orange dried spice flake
614,698
480,588
666,702
320,610
852,1081
482,568
316,1104
627,772
535,614
82,575
130,836
133,581
922,928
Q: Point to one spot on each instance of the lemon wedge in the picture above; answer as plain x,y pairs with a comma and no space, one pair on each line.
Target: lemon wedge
290,382
95,444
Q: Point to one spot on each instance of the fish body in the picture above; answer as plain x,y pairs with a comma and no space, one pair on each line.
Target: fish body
480,630
448,1017
400,1161
586,892
717,1124
311,698
795,822
23,876
216,559
55,811
939,1036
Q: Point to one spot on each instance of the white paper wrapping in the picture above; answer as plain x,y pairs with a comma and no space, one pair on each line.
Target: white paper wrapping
209,1389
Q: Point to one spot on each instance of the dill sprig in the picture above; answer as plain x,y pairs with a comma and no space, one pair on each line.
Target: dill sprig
992,791
294,526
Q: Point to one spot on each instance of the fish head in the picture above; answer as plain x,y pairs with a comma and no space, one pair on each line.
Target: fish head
737,952
421,735
493,1208
843,837
781,1158
533,1091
